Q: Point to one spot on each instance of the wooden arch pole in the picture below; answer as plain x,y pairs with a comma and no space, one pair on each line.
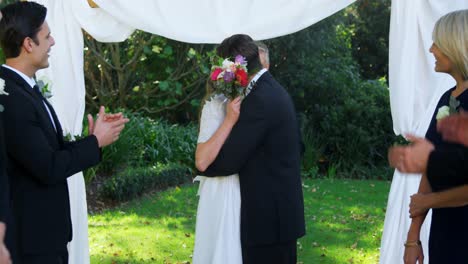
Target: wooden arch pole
92,4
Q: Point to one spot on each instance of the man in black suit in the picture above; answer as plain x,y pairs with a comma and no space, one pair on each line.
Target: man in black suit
264,148
445,167
453,128
4,200
39,160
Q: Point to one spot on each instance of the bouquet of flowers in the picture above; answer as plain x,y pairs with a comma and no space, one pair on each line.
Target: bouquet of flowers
230,77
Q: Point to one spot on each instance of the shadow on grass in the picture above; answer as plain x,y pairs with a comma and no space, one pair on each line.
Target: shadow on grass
174,203
344,221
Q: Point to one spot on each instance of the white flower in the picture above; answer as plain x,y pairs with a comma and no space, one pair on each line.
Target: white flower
227,64
45,86
2,87
443,112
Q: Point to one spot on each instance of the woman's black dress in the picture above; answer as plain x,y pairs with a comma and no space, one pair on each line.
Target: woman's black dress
448,239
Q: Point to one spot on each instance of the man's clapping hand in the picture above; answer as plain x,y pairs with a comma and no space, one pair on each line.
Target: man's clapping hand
454,128
107,127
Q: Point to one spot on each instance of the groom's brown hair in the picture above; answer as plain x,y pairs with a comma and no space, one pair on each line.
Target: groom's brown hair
20,20
241,44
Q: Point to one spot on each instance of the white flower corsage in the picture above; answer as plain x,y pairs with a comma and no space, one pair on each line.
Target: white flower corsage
2,92
443,112
2,87
447,110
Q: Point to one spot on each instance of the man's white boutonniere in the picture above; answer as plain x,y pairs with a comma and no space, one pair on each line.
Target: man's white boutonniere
2,92
447,110
45,87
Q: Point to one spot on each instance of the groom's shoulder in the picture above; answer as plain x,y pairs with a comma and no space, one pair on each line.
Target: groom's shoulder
272,88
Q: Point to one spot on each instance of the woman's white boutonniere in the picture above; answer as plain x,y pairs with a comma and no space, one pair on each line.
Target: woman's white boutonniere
2,92
443,112
447,110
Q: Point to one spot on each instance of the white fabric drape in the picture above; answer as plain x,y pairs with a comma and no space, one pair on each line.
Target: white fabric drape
203,21
66,18
68,101
415,90
210,21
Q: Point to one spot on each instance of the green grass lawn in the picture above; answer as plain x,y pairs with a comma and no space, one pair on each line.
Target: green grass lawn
344,225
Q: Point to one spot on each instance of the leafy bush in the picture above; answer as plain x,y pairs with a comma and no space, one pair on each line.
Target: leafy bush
132,182
145,142
352,132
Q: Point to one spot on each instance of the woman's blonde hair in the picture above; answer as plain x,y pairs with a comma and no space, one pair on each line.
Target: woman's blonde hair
451,37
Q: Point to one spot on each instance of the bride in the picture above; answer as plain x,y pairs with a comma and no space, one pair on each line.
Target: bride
217,234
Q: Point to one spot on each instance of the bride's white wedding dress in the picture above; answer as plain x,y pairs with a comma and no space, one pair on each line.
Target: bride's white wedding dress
217,233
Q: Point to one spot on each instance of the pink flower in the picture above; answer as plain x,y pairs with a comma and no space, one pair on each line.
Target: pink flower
215,73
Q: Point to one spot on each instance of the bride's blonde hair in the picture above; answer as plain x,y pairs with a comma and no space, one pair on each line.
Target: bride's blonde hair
209,90
451,37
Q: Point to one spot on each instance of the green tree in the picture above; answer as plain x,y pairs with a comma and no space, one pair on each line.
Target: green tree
346,121
369,21
147,73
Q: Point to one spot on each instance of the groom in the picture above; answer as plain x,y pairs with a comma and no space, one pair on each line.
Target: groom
264,148
39,160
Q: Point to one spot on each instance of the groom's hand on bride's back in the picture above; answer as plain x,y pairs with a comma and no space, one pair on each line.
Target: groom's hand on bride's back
107,127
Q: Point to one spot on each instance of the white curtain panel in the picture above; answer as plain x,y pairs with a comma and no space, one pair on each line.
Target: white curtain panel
415,89
67,18
67,85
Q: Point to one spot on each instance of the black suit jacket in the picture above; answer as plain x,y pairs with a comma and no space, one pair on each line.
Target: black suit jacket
4,186
39,162
448,167
5,209
264,148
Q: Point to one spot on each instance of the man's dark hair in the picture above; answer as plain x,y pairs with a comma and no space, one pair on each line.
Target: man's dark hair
241,44
19,21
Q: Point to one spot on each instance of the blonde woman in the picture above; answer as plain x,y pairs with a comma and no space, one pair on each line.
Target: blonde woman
448,242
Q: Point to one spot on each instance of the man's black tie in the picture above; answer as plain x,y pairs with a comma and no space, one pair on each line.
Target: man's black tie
38,92
51,113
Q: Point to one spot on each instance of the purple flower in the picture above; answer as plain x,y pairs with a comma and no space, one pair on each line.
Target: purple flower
228,76
240,59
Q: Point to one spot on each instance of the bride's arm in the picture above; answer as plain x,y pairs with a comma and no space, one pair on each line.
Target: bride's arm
207,151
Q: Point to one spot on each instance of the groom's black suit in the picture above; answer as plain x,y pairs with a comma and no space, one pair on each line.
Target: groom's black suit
264,148
39,162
